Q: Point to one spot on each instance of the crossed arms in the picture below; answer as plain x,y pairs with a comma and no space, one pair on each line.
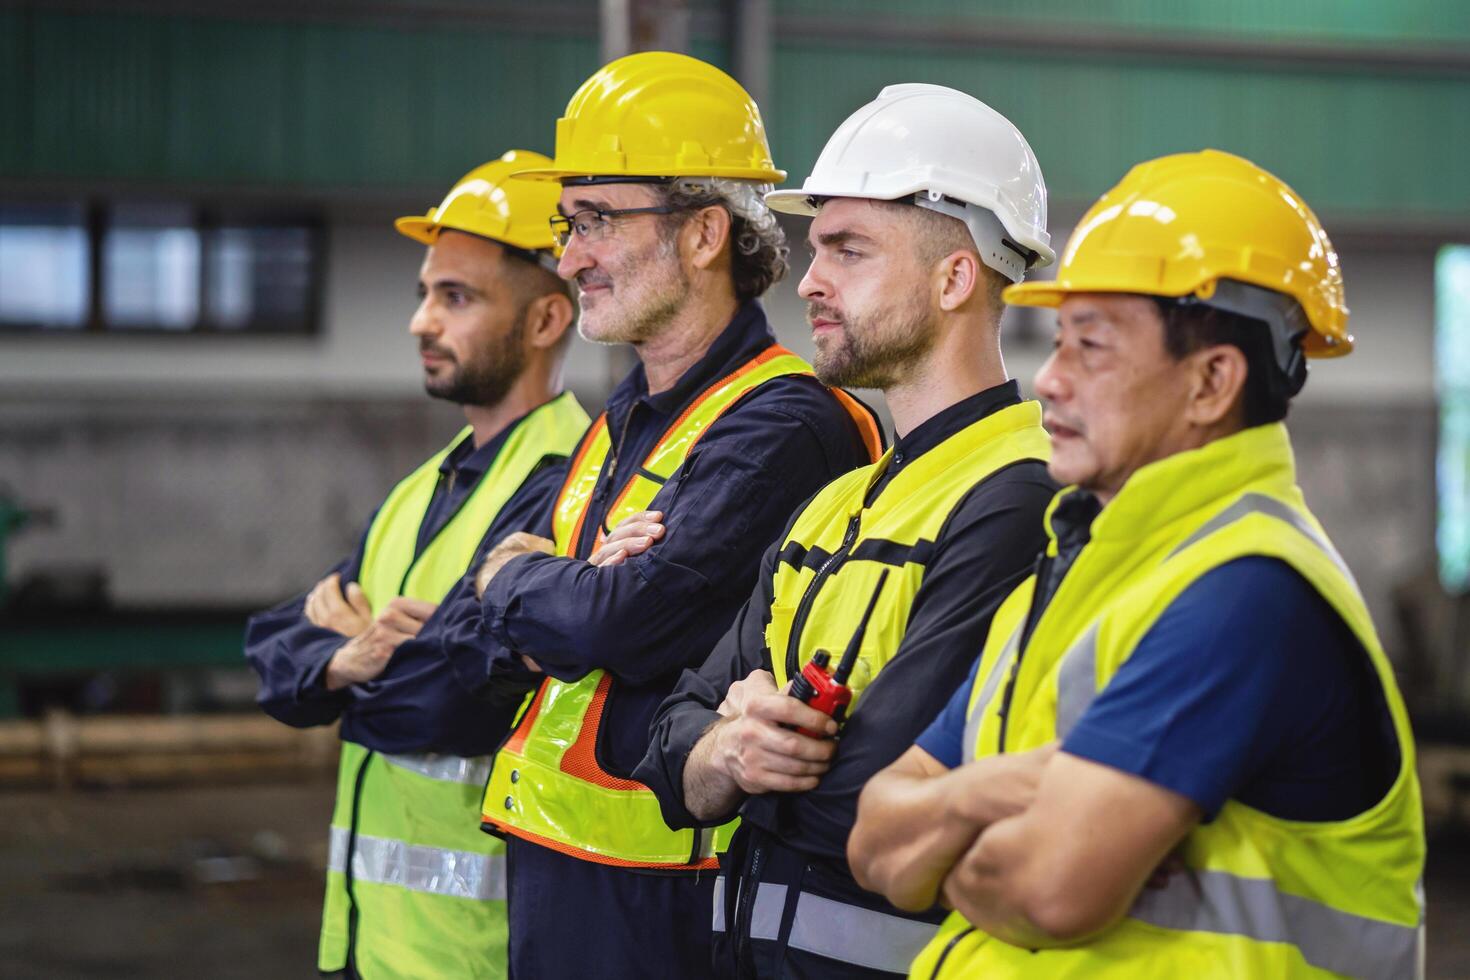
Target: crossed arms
1038,849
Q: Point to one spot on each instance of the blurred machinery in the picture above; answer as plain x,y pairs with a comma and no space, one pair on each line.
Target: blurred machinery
59,633
75,672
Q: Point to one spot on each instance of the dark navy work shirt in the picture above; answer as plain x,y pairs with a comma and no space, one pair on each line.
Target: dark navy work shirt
415,704
1248,687
647,619
982,552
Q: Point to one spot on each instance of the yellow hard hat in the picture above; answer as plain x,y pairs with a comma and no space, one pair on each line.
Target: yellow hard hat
657,114
1178,225
486,202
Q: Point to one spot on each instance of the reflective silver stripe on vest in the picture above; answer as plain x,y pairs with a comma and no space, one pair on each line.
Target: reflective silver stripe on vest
831,929
1077,682
472,771
1328,938
1077,678
1259,503
704,848
765,911
851,934
384,861
719,905
992,681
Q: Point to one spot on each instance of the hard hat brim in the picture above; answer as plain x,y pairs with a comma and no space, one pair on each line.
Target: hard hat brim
418,227
771,176
799,202
794,202
1050,294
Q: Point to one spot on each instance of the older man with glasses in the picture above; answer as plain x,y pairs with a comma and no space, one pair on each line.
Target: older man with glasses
654,541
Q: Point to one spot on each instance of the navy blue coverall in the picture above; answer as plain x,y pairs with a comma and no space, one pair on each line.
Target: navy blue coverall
415,705
643,622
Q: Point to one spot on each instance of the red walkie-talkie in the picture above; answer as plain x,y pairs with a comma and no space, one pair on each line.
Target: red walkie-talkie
829,693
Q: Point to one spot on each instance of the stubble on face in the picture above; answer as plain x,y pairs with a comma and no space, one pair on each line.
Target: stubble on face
645,290
485,376
871,349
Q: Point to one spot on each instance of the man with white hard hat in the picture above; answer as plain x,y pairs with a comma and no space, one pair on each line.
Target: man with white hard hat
926,204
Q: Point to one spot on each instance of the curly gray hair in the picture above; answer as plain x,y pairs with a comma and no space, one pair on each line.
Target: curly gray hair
758,244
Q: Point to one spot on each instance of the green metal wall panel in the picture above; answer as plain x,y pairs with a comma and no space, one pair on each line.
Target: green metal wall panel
1434,21
314,105
220,101
1376,146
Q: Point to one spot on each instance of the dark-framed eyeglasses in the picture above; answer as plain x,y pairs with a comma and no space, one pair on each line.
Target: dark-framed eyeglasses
591,224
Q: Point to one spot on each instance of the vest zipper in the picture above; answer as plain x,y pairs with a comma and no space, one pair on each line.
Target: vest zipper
1043,566
809,597
948,948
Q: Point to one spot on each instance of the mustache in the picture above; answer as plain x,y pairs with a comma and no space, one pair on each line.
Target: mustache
589,279
821,311
429,347
1051,419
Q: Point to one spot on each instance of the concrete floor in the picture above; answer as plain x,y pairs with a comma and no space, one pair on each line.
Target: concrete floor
225,882
218,882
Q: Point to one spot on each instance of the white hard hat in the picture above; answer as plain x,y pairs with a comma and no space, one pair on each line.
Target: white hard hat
944,150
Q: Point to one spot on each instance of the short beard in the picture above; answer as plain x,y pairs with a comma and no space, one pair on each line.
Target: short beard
663,290
488,378
866,356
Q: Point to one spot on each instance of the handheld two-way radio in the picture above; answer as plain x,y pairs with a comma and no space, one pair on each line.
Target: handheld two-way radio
829,693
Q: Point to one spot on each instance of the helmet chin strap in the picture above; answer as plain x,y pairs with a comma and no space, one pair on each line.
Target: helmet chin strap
1283,315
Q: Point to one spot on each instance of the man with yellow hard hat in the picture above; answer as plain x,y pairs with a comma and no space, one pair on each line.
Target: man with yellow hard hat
654,541
409,876
1234,792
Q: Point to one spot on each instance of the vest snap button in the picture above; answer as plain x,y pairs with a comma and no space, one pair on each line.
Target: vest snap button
510,803
515,775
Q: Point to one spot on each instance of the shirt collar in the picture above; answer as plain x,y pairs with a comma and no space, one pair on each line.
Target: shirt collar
746,335
962,414
470,463
1168,489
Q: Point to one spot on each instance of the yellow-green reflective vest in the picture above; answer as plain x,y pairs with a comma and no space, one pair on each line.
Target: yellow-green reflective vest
837,548
546,785
425,896
1260,896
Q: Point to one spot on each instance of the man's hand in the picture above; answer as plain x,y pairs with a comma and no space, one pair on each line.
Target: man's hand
748,752
329,608
634,535
759,682
366,655
510,546
1073,862
917,818
754,748
1004,786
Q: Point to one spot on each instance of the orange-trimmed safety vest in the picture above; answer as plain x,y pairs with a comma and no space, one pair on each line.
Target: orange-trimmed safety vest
546,784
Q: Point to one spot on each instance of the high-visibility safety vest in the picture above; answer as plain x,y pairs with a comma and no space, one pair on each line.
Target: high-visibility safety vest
546,785
413,889
827,571
1259,896
829,564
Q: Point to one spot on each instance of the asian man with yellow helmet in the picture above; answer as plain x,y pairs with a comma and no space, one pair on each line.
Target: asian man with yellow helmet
1234,792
